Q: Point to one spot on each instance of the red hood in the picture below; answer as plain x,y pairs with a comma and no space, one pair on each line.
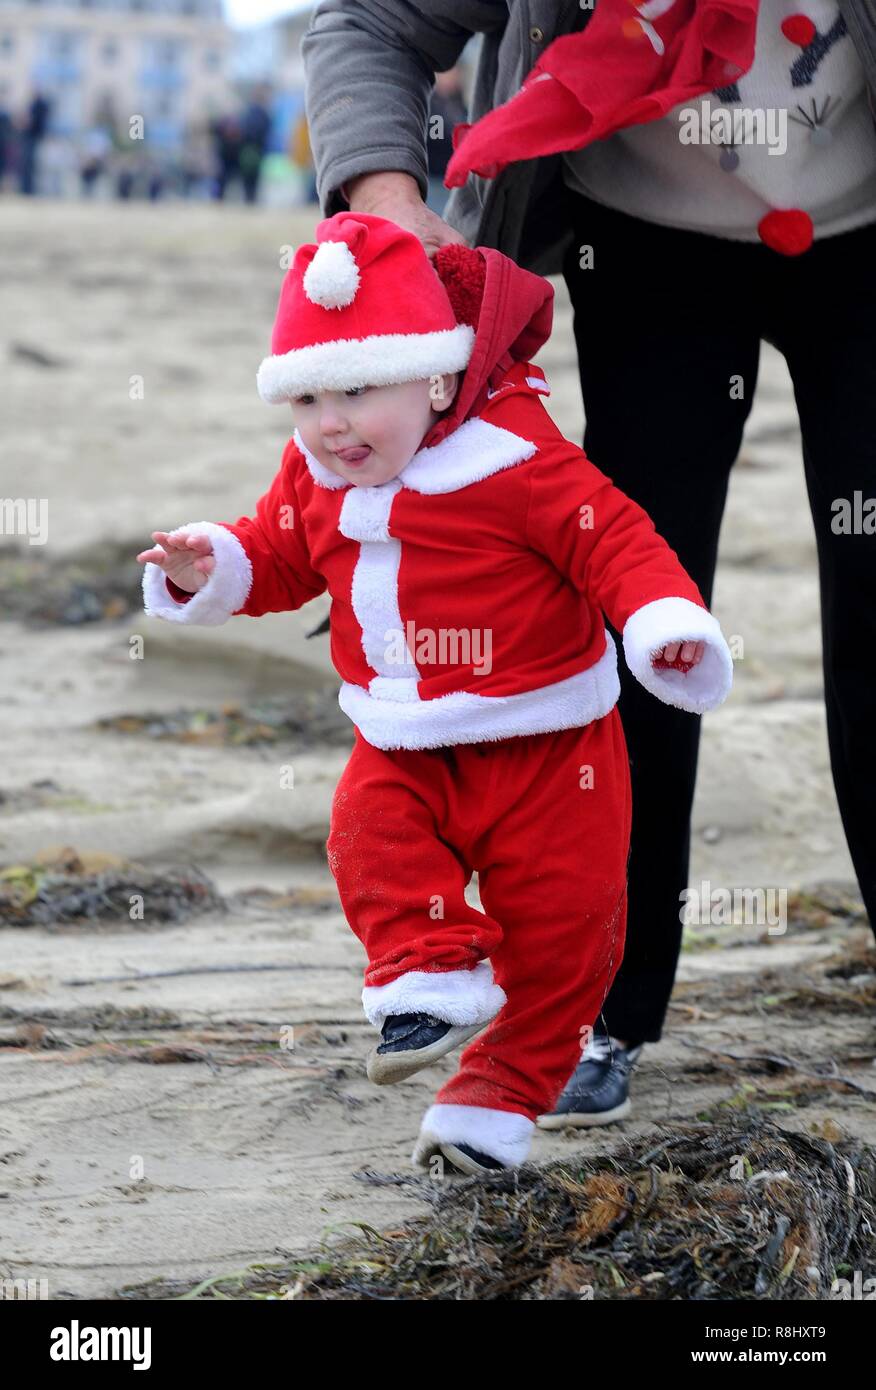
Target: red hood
513,321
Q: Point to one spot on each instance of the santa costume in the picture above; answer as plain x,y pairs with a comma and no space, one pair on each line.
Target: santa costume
467,628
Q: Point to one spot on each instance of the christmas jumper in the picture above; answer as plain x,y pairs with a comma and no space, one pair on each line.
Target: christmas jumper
794,132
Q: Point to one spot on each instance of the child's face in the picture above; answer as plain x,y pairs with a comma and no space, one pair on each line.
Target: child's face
389,421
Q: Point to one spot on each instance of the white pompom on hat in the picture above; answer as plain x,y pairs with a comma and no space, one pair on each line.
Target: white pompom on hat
332,278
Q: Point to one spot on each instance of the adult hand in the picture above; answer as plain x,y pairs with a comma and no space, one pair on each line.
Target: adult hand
396,196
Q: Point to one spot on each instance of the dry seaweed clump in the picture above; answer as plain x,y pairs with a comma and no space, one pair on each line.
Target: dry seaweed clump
841,983
705,1213
306,717
97,586
65,888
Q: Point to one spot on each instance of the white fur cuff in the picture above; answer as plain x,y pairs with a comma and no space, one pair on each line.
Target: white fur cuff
706,685
223,594
456,996
503,1134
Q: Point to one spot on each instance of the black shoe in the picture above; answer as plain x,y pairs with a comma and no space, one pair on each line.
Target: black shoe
465,1159
412,1041
597,1093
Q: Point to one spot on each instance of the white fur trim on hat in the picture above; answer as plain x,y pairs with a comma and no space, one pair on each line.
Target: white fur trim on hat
380,359
503,1134
646,631
224,592
332,278
456,996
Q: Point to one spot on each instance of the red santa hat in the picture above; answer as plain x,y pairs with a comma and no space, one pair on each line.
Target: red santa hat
363,306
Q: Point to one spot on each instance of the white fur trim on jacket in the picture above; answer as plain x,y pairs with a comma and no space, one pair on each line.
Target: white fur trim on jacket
503,1134
380,359
457,996
678,620
405,720
224,592
476,450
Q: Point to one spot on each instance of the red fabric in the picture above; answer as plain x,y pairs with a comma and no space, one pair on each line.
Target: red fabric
399,293
551,857
181,595
512,314
463,273
587,85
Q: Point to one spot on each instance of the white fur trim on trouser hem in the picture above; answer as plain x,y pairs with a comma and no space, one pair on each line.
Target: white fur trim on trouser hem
503,1134
224,592
456,996
704,686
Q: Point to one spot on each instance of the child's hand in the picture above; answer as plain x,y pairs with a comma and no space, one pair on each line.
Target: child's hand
679,656
186,559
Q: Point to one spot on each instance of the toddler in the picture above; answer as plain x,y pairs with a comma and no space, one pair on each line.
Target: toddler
470,552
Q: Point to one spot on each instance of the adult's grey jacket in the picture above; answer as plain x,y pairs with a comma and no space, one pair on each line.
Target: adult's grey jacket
370,68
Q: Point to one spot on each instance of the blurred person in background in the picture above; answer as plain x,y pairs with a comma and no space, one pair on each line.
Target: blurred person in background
6,138
198,166
227,140
97,146
301,156
7,135
255,130
33,132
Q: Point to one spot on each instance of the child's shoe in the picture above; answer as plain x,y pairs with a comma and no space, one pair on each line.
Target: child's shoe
413,1041
469,1160
473,1139
462,1159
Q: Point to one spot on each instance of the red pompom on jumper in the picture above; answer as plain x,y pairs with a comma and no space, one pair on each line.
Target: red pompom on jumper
788,231
462,271
799,29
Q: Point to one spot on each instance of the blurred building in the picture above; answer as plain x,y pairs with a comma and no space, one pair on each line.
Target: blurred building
111,60
271,52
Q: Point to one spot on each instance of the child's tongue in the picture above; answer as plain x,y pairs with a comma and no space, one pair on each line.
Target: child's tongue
355,455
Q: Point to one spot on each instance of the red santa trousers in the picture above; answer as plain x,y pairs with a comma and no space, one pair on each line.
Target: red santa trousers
545,820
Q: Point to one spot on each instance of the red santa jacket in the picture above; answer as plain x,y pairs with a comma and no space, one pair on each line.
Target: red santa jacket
468,593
